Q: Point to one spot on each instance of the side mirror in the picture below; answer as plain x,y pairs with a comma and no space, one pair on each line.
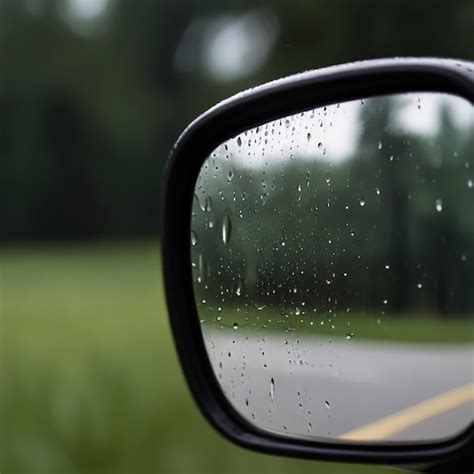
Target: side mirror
318,249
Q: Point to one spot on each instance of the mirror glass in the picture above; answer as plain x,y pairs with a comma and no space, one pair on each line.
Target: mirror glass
333,265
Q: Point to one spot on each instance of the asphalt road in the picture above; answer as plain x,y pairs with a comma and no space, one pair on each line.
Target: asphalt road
351,389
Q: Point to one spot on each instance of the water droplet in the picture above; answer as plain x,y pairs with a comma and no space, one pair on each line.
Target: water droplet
419,285
260,307
380,146
349,336
226,227
230,175
439,205
272,388
235,326
385,301
327,404
377,191
201,204
320,145
200,277
362,202
238,290
297,311
299,188
308,136
387,267
239,141
470,183
208,204
194,238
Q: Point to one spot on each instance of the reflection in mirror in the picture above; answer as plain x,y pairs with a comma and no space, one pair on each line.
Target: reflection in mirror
333,268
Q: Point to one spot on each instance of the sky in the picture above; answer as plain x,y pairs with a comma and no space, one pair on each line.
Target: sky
331,133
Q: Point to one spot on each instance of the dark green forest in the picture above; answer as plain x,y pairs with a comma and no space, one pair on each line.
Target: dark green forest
389,227
91,105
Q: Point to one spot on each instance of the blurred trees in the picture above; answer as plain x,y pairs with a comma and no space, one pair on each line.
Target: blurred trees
388,228
90,108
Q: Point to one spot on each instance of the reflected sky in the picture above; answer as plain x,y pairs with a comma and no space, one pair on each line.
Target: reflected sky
332,133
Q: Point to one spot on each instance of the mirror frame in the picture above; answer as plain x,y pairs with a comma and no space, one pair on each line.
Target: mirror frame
227,119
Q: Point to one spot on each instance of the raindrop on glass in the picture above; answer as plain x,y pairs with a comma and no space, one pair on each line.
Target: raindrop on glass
439,205
194,238
202,205
208,204
226,228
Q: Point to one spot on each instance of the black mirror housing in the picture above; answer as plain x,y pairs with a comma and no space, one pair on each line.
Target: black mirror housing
249,109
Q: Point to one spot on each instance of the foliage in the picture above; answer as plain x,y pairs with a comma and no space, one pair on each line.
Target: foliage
89,111
89,379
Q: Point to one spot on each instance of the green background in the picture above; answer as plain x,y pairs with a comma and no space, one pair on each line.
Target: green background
89,380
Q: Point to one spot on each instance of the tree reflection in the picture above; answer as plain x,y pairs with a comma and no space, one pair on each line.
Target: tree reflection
385,230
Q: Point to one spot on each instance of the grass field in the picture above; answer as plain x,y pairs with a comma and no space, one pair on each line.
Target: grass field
89,379
407,328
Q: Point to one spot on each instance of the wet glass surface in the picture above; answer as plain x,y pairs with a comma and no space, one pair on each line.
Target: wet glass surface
332,257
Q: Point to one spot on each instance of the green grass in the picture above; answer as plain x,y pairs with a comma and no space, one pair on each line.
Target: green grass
405,328
89,379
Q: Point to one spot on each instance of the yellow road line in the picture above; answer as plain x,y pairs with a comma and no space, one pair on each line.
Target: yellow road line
385,427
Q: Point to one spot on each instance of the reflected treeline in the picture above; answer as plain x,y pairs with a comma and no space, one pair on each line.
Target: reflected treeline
390,229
